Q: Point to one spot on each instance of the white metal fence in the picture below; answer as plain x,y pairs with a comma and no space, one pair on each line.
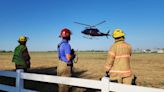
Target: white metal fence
104,85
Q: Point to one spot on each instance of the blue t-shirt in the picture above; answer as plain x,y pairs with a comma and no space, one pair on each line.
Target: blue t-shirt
63,49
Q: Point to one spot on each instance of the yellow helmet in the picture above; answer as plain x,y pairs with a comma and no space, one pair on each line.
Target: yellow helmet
22,38
118,33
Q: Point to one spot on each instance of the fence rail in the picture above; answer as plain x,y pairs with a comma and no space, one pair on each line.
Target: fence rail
104,85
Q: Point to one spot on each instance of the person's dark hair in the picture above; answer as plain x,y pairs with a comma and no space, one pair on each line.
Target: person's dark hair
22,42
67,38
120,37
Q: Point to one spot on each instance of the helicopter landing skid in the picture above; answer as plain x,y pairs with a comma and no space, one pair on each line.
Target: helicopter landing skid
89,37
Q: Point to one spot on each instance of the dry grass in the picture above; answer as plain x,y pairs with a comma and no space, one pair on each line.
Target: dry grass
148,67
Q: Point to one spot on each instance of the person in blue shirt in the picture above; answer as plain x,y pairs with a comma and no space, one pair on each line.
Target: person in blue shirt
65,62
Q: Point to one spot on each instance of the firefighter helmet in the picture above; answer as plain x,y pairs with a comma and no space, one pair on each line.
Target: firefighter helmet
22,38
118,33
65,33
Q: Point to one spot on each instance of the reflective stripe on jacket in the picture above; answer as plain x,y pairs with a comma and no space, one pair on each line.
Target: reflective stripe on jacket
118,60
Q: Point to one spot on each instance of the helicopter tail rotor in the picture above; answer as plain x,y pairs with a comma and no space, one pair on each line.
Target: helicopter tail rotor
107,34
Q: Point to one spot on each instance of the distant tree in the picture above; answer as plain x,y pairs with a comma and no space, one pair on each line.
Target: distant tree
4,51
9,51
148,50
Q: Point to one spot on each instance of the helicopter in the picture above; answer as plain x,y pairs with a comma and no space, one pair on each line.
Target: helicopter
92,31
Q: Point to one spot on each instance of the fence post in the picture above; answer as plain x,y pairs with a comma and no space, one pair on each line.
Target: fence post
19,81
105,84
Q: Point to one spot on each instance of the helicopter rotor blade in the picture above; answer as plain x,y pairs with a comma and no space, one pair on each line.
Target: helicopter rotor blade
83,24
99,23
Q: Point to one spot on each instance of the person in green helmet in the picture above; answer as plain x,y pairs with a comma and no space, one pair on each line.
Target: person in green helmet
21,57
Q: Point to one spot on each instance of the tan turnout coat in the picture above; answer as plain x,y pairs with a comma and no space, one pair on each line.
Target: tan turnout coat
118,60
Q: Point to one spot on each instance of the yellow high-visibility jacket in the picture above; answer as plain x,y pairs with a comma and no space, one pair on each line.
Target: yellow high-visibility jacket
118,60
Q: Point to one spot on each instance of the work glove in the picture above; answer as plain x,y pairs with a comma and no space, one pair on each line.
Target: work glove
107,74
73,54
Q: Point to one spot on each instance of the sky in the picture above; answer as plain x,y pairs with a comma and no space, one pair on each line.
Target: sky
41,21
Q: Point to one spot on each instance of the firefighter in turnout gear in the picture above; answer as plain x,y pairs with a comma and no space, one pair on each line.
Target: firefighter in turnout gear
66,58
21,57
118,59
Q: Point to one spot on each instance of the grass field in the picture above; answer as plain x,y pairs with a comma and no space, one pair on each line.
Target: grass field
149,68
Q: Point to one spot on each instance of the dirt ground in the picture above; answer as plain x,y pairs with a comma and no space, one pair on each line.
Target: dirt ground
149,68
